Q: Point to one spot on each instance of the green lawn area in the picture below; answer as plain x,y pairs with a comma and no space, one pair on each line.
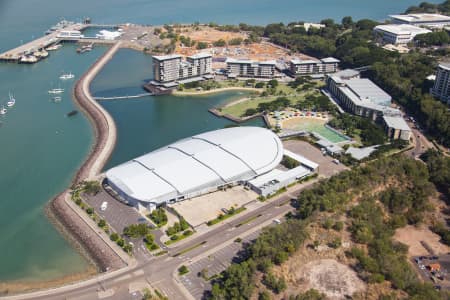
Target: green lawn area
238,109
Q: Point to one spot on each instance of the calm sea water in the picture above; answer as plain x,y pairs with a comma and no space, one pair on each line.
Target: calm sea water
40,148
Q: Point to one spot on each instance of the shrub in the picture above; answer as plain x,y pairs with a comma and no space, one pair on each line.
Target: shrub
183,270
114,236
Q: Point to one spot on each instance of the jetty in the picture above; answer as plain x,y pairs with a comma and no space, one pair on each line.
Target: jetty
14,55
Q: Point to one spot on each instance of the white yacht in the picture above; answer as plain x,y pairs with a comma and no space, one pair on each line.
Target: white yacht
28,59
41,54
53,47
11,101
3,111
56,99
56,91
66,76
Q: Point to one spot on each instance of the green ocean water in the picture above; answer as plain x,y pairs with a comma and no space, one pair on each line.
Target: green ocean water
41,148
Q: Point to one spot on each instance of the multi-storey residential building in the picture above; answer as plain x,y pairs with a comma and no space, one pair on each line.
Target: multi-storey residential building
399,34
166,68
250,68
441,88
362,97
201,64
170,68
423,20
313,67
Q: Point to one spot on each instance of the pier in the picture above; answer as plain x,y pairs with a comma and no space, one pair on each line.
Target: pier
15,54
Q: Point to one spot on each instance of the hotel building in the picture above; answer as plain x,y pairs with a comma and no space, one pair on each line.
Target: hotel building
362,97
399,34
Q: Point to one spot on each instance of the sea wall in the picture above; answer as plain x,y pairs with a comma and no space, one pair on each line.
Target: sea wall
69,220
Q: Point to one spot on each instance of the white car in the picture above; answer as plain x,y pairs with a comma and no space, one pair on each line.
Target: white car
276,221
104,206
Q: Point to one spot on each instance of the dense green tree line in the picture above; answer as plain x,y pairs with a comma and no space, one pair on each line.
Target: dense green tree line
426,7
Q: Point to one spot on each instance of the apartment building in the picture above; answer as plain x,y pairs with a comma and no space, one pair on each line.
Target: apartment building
169,68
250,68
441,88
314,66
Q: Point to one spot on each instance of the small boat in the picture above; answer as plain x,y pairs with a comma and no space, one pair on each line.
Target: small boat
72,113
56,91
56,99
53,47
11,101
28,59
66,76
3,111
41,54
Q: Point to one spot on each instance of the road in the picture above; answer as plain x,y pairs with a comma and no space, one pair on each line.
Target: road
421,143
159,271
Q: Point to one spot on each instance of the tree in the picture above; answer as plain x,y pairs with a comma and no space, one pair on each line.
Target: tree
219,43
183,270
347,22
91,187
202,45
235,41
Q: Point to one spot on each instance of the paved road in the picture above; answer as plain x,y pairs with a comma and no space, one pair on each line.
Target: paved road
160,270
421,143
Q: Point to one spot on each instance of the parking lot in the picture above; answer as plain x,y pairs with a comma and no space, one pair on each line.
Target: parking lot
434,269
199,210
327,167
117,214
213,264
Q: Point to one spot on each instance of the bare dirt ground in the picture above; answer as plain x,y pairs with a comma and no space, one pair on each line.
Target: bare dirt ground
412,236
209,35
330,277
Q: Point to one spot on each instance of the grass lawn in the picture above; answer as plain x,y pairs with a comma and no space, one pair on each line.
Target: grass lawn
238,109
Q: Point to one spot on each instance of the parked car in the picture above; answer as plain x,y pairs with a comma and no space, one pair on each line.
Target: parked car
276,221
104,206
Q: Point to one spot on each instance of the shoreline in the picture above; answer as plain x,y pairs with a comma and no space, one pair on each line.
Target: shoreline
214,91
67,220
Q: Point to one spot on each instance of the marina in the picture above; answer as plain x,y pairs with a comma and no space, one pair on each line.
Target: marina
35,50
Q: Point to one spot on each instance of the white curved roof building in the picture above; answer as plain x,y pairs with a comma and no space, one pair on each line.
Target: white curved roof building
197,165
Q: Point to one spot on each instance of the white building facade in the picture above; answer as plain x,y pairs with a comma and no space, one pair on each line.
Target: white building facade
422,20
399,34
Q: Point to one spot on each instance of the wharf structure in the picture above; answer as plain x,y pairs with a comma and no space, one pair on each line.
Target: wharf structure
313,67
441,88
33,51
250,68
399,34
171,70
362,97
202,164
